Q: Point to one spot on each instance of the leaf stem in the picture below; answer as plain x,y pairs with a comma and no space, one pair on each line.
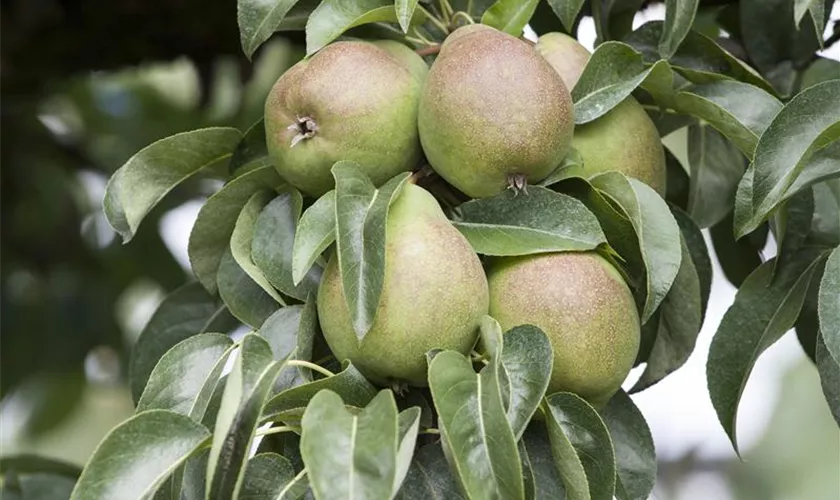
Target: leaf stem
311,366
447,11
422,38
277,430
430,430
437,22
462,15
478,357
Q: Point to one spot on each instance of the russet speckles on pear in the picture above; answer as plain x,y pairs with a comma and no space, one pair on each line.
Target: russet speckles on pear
585,308
352,101
625,139
493,107
434,295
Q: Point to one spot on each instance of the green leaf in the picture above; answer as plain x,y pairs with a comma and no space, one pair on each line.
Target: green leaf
137,186
542,477
817,10
770,36
245,299
36,477
361,211
40,486
272,246
291,334
474,427
315,232
268,476
246,391
581,445
409,426
679,16
825,227
429,477
614,18
739,111
791,225
210,236
405,11
185,377
612,73
251,153
764,309
698,59
829,305
737,258
829,371
716,168
187,311
243,236
258,20
800,147
524,359
333,17
680,319
821,70
536,222
350,454
510,16
656,229
35,464
699,252
635,455
571,166
138,455
567,11
350,384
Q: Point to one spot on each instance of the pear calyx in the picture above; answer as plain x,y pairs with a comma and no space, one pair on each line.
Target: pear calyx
305,127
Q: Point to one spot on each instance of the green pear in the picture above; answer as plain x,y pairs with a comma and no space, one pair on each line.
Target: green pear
493,113
625,139
434,294
584,306
351,101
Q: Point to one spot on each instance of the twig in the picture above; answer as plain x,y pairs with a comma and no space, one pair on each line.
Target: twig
427,51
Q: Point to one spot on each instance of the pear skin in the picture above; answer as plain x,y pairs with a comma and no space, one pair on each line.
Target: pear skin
625,139
584,306
434,295
493,109
351,101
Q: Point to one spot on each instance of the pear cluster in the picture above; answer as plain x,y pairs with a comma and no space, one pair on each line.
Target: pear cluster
493,112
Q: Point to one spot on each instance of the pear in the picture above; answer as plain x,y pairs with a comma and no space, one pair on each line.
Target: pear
351,101
625,139
584,306
493,113
434,295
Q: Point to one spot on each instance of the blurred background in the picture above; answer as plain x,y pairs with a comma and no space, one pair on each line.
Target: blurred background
87,84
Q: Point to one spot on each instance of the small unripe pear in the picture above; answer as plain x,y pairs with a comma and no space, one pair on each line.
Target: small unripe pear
493,110
434,295
352,101
584,306
625,139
